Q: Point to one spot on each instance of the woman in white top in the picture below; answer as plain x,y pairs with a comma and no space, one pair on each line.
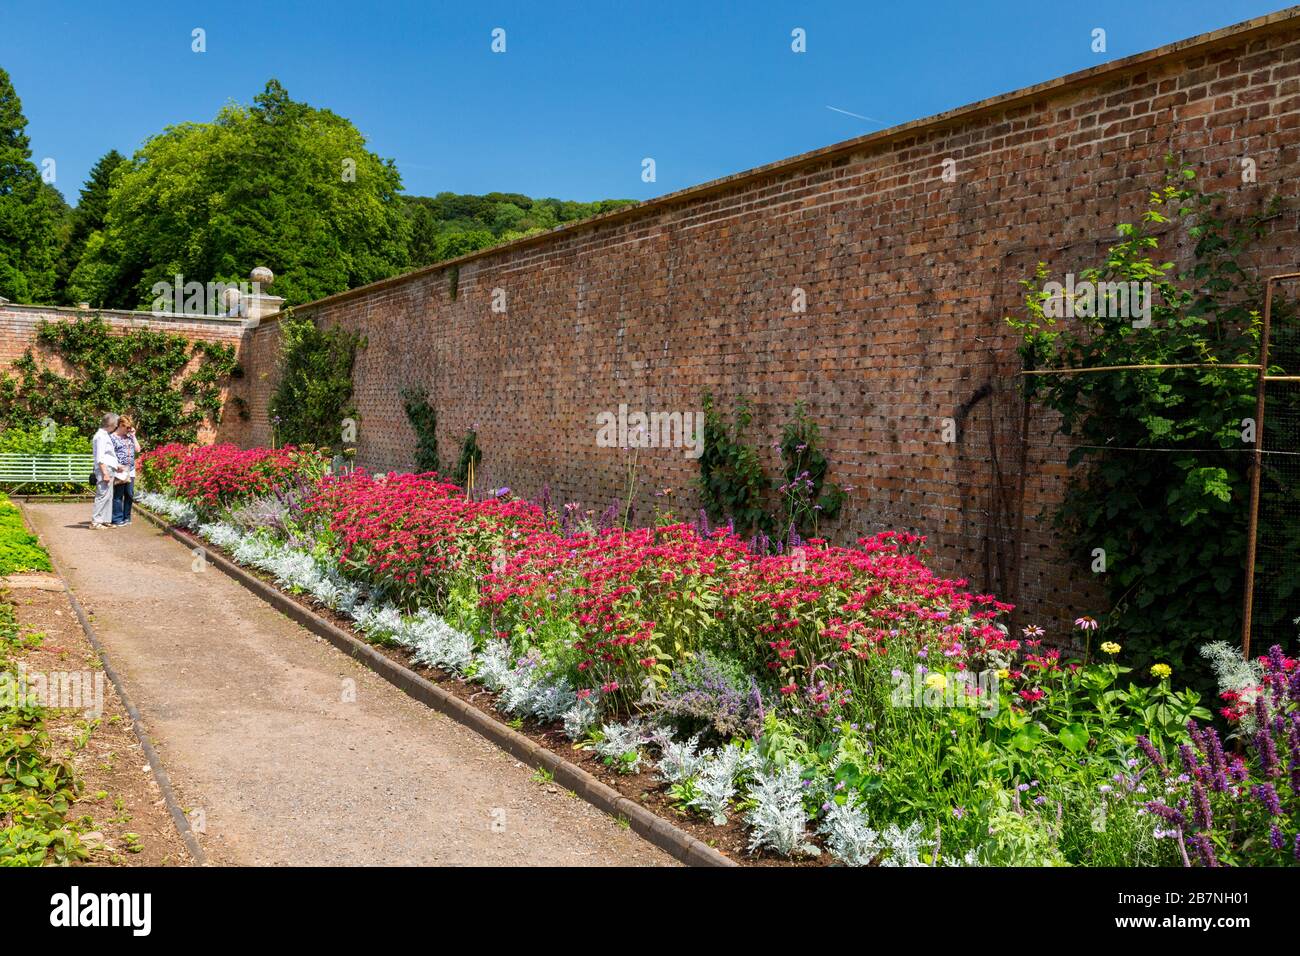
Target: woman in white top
106,468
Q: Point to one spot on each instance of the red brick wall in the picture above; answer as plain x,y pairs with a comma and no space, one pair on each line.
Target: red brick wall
908,279
18,325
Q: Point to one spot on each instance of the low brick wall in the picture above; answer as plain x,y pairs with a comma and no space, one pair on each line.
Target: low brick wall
19,323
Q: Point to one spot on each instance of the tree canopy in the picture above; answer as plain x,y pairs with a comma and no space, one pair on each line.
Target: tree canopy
31,211
277,183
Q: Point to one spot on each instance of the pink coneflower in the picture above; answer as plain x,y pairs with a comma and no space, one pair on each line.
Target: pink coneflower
1086,623
1034,631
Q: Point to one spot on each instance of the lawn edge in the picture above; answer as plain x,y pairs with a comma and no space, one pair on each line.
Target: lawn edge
656,830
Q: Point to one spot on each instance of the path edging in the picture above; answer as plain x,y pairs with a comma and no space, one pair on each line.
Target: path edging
660,832
173,805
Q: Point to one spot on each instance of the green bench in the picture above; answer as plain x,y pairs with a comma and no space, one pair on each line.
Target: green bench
24,469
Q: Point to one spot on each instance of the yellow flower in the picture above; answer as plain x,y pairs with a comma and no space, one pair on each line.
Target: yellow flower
936,681
1110,647
1003,674
1161,670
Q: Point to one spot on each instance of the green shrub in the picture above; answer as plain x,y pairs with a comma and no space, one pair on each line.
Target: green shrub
314,394
36,790
424,422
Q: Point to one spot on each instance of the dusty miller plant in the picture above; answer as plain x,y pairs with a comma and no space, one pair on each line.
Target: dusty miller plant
778,821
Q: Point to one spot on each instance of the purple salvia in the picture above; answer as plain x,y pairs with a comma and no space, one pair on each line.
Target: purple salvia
1261,710
1152,755
1203,817
1190,762
1167,813
1218,762
1276,839
1266,795
1267,750
1201,844
1293,745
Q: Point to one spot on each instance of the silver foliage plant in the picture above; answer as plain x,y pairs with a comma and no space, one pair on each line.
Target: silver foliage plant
580,718
173,509
853,842
616,740
1234,673
678,762
716,783
778,821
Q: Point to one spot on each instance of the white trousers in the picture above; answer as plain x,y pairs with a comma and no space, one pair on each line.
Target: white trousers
103,513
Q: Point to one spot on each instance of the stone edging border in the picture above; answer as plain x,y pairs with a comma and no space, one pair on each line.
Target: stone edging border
155,763
652,827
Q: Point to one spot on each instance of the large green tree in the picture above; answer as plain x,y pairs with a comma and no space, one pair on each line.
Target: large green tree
278,183
31,212
87,221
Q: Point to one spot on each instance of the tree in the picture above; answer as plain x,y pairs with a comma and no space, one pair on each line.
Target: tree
278,183
30,210
88,221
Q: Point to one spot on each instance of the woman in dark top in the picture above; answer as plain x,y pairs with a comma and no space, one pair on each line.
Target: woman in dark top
126,445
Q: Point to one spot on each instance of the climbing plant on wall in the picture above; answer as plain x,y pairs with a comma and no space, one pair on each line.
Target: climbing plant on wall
314,395
734,486
169,384
1160,482
424,422
470,456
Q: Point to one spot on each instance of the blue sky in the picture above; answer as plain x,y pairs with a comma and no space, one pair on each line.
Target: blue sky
583,92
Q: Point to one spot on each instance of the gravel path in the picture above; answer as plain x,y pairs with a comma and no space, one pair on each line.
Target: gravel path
294,753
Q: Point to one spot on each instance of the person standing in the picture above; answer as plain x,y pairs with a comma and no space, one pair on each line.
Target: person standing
126,446
105,467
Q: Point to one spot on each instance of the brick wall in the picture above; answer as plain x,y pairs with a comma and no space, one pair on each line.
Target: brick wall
18,325
907,278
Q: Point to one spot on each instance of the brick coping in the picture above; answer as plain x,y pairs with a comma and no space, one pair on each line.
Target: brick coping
133,315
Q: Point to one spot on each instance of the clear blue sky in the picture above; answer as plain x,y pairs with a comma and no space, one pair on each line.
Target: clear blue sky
583,92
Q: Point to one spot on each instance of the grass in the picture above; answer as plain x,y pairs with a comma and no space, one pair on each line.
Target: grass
19,548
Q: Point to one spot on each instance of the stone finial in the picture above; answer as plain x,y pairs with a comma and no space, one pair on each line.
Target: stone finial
262,276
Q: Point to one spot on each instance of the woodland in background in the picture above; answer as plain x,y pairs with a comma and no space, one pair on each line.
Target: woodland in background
276,183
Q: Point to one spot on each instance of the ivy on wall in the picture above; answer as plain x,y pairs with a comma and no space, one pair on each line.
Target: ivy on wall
424,422
170,385
313,399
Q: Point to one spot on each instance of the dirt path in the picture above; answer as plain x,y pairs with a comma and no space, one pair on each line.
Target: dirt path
251,716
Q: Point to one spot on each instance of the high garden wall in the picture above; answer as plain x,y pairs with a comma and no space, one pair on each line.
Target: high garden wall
907,278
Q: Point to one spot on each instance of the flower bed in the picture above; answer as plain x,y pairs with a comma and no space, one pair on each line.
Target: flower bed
839,701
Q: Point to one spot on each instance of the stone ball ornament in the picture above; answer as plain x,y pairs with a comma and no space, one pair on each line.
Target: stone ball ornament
262,276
